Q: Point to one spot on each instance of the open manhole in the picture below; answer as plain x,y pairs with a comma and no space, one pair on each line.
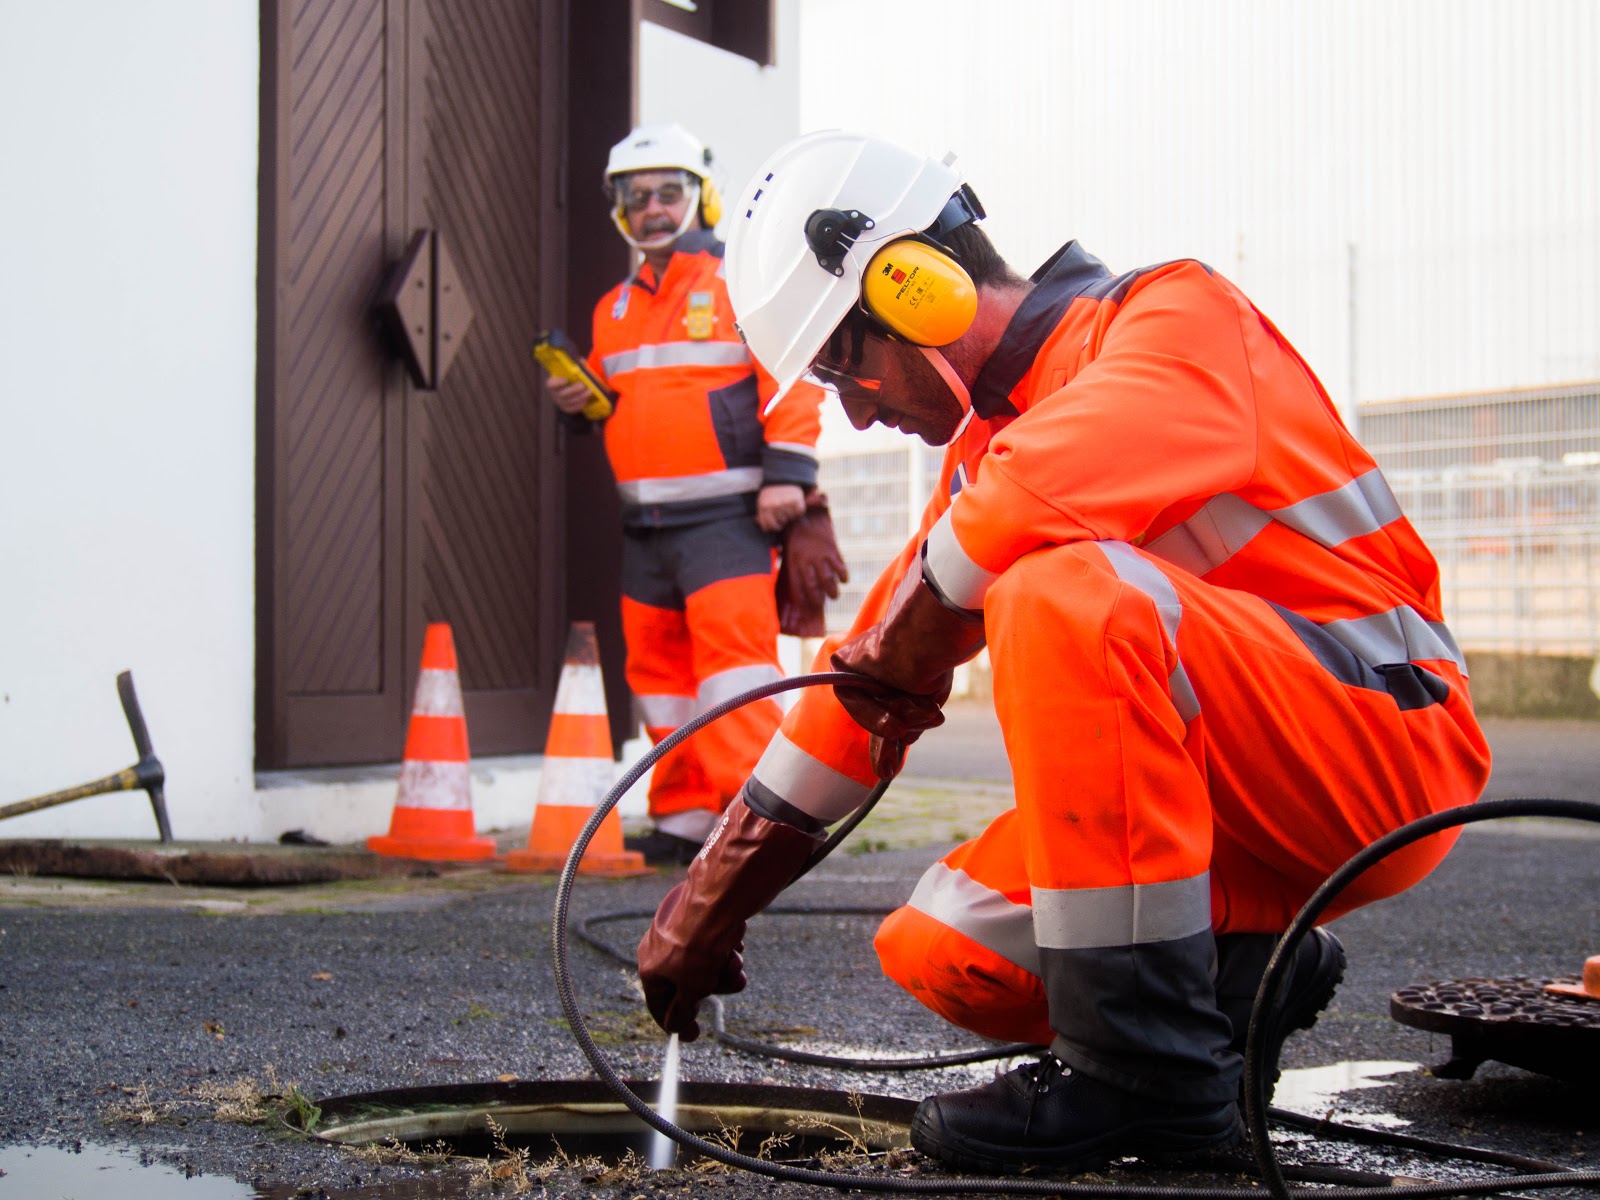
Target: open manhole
582,1118
1519,1021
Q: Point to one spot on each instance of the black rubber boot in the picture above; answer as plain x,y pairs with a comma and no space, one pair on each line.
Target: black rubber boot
1046,1114
1318,968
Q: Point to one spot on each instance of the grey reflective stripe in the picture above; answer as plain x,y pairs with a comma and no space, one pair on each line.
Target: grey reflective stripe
1222,527
1133,915
725,685
665,712
1134,569
677,354
691,487
808,783
799,448
1400,635
953,574
1000,926
1362,506
1225,524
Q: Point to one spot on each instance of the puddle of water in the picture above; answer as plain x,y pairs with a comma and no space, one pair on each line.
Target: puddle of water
1312,1090
52,1173
98,1171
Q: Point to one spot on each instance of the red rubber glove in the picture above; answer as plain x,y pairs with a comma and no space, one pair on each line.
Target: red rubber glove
693,948
910,659
811,570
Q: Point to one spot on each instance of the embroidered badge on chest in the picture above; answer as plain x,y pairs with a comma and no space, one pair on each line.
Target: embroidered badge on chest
701,317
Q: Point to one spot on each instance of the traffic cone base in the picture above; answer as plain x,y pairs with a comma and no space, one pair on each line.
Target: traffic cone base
577,775
432,818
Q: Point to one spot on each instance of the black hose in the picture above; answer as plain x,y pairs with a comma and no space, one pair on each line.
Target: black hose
1255,1086
1024,1186
719,1029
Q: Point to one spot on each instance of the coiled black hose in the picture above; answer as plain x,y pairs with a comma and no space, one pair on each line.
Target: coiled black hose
1255,1100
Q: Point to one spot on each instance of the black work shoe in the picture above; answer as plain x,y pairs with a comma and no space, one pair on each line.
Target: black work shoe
1318,968
1046,1114
662,849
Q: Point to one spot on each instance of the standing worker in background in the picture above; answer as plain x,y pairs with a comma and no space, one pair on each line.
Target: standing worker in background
711,479
1218,659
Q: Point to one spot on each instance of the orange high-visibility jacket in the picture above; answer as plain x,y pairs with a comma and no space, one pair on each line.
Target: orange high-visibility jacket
1161,409
688,440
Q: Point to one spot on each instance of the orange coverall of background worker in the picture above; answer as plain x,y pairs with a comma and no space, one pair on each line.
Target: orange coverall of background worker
692,450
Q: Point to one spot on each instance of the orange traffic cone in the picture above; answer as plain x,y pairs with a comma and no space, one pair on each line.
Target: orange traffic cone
577,774
432,817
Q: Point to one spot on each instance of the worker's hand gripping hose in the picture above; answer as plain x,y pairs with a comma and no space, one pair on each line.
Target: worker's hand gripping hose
1271,1172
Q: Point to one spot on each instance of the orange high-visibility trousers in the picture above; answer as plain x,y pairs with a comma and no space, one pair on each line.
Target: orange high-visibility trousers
1185,758
701,625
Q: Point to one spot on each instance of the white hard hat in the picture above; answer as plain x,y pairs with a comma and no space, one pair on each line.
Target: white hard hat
659,147
785,301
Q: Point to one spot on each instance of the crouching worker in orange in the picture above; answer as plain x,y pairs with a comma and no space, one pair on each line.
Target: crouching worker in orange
1218,660
711,476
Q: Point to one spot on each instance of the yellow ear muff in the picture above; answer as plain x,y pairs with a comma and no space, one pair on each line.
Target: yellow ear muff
710,204
920,293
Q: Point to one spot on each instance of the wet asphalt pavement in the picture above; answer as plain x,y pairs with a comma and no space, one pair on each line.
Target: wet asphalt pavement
152,1017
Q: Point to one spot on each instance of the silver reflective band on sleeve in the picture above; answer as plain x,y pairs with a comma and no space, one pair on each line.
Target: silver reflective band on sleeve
665,712
1134,569
1001,926
954,575
799,448
712,484
1133,915
677,354
1362,506
1226,524
1397,636
808,783
1223,526
725,685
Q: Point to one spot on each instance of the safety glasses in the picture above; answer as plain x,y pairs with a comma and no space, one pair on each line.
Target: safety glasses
636,199
854,363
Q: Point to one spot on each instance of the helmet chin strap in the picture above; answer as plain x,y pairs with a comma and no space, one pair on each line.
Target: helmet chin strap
952,381
661,240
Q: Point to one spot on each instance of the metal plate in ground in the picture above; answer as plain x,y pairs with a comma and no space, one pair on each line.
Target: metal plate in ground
1514,1021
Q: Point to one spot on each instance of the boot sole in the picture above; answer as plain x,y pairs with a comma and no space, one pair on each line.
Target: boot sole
1157,1143
1325,978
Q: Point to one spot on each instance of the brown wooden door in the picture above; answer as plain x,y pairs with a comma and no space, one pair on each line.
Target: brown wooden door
384,506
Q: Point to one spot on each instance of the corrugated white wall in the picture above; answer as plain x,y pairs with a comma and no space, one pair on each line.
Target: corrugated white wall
1411,191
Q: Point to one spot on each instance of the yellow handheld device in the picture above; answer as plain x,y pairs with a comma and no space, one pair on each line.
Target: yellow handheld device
556,355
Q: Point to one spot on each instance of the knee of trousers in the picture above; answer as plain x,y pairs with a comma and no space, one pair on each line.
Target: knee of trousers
1066,602
1079,591
962,981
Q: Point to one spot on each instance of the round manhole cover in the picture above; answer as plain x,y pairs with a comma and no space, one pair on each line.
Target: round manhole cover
1518,1021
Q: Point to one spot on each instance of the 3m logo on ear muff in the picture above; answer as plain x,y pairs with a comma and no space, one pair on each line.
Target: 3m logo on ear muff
919,292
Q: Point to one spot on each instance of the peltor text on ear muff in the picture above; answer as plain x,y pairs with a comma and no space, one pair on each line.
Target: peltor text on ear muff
919,292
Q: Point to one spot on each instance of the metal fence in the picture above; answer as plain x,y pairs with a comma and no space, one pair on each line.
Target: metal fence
1503,487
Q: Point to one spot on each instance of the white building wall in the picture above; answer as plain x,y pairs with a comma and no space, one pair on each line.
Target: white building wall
127,330
1411,191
